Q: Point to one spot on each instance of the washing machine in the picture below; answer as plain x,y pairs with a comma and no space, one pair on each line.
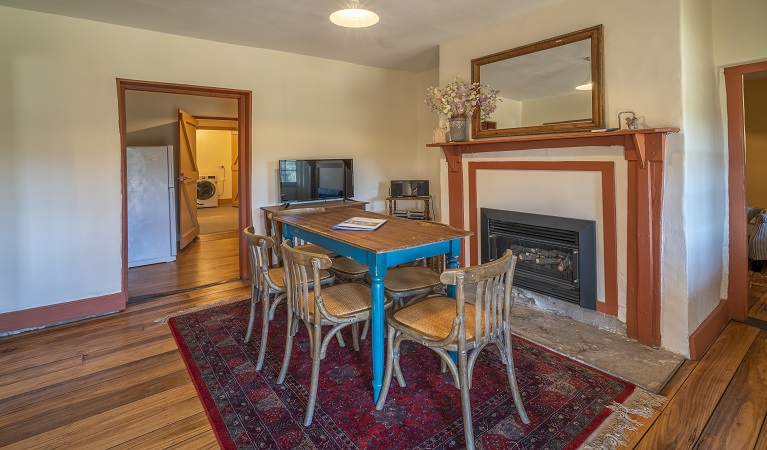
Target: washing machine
207,191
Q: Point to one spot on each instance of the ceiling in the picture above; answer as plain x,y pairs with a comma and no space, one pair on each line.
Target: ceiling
406,38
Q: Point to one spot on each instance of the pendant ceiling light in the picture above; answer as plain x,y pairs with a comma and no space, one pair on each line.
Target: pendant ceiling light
354,17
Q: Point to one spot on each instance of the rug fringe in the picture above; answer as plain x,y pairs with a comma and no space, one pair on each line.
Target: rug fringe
165,319
614,431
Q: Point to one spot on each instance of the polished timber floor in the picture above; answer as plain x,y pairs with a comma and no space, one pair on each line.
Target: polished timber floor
118,381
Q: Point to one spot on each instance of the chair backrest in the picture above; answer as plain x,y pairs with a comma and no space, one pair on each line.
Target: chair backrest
277,225
492,295
258,255
301,270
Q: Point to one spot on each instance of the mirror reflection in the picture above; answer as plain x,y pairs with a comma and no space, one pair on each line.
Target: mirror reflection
550,86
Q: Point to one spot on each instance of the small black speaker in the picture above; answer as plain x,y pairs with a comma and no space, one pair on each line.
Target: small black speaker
409,188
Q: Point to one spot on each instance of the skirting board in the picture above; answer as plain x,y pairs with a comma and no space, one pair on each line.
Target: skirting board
707,331
61,312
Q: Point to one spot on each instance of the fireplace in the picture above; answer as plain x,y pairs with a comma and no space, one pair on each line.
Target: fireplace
556,255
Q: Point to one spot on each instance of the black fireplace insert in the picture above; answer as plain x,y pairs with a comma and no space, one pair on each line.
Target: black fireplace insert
556,255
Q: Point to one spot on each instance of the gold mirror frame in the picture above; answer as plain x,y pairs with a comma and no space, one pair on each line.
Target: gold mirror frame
596,121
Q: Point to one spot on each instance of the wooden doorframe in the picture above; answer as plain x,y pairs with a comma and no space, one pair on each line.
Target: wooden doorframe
244,120
737,287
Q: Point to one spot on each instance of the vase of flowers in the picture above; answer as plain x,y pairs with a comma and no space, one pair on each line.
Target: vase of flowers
457,100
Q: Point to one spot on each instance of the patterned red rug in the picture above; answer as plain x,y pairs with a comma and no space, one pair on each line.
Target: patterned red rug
566,401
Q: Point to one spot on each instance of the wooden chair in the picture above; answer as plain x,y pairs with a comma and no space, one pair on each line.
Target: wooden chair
348,269
338,306
447,325
266,283
277,231
409,283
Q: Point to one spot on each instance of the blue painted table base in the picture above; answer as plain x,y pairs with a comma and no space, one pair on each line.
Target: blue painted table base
377,264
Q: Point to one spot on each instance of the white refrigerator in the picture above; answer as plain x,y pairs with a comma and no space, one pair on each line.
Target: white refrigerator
151,205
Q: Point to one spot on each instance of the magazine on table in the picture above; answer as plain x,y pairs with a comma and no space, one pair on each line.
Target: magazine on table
360,224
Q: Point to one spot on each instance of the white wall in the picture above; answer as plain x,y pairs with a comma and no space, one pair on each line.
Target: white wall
61,150
705,176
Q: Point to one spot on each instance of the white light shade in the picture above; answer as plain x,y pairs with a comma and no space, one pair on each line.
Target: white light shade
584,87
354,18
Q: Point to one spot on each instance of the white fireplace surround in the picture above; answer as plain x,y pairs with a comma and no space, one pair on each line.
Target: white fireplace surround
576,194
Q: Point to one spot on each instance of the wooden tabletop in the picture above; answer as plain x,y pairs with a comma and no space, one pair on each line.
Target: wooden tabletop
395,234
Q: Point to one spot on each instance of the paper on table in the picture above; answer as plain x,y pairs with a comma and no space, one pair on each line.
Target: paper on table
360,223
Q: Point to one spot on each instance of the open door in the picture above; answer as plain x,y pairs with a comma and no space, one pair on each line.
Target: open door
235,170
189,227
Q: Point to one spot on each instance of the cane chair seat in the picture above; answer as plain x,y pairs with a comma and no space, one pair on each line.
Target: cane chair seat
411,280
277,277
433,317
348,269
344,300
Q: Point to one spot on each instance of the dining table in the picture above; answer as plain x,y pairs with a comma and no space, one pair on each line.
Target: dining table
398,241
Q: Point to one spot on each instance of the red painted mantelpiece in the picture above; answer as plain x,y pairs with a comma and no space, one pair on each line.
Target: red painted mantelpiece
644,150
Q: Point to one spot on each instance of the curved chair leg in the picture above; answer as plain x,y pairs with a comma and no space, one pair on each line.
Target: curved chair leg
365,329
340,340
355,336
468,428
513,381
252,319
315,376
276,303
389,367
288,349
264,333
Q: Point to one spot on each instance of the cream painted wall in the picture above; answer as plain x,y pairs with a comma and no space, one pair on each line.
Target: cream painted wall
508,113
739,32
555,109
214,150
61,147
755,112
428,157
643,73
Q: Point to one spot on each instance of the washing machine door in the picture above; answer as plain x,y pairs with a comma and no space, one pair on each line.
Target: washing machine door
205,190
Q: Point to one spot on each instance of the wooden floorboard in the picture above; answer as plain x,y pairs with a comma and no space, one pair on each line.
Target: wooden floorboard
759,309
118,381
685,416
739,417
211,258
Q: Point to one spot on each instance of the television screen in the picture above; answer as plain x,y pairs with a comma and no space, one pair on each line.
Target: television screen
303,180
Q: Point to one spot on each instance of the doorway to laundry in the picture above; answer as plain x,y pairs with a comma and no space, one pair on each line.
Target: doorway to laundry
210,247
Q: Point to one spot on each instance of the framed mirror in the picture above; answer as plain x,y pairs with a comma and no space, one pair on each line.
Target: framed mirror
551,86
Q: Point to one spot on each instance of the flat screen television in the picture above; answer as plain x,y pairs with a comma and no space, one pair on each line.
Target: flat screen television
303,180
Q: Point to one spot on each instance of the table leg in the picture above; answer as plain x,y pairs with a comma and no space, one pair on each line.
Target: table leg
377,332
452,263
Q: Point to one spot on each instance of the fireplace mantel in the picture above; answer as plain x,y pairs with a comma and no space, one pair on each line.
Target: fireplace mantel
644,150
